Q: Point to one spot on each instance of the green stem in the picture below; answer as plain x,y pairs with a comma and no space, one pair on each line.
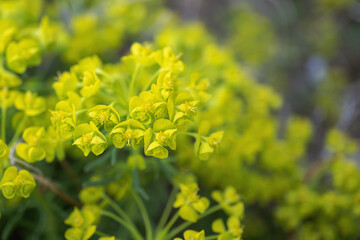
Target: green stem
211,237
187,224
51,227
195,135
18,131
163,233
124,90
28,166
81,111
112,80
116,207
124,103
144,214
104,74
167,209
152,79
121,95
3,121
171,222
133,80
132,230
101,234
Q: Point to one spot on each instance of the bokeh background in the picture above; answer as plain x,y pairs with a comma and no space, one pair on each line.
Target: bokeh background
307,50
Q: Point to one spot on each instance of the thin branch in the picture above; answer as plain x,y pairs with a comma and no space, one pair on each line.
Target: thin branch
70,172
56,190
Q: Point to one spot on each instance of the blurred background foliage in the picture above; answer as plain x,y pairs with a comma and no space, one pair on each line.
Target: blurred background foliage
284,75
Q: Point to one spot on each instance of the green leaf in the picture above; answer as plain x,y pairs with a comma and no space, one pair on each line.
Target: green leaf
171,108
102,182
113,156
137,185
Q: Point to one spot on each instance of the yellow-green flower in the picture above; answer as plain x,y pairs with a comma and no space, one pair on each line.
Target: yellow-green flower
49,32
8,97
141,55
168,60
338,142
25,183
86,64
166,84
38,145
193,235
30,103
82,224
14,183
7,30
107,238
190,203
186,108
199,87
234,229
20,55
4,150
147,108
129,131
8,79
80,233
64,119
89,139
162,135
90,84
229,201
7,183
67,82
207,148
105,116
92,194
79,218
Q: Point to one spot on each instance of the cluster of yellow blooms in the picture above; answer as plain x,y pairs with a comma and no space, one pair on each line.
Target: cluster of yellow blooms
17,183
336,208
155,117
191,206
163,109
139,102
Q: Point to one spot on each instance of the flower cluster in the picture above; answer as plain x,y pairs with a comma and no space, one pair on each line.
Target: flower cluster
39,144
338,203
143,105
82,224
230,202
154,117
89,139
190,203
193,235
14,183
